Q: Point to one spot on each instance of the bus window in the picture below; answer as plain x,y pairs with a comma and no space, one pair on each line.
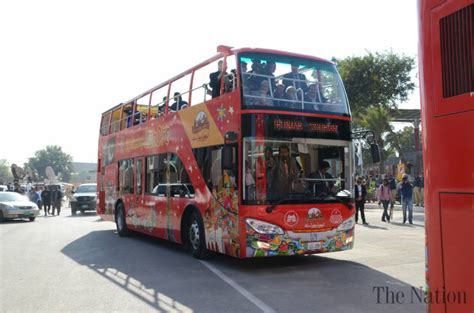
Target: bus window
125,181
104,124
180,184
115,123
139,177
290,83
151,173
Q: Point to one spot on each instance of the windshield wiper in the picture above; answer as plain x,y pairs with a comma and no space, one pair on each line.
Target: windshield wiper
291,197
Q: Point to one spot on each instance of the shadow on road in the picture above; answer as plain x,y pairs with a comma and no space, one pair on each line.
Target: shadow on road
163,275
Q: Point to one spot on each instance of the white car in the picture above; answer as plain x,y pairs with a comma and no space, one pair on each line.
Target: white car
3,188
13,205
84,198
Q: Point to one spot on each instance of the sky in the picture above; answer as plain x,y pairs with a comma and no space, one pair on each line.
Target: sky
63,63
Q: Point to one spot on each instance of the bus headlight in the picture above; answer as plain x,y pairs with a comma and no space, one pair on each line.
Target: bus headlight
346,225
264,227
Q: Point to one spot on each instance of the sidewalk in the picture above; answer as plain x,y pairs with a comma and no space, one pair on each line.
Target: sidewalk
397,207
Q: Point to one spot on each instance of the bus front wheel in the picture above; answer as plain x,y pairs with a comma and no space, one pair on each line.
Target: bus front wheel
196,237
122,229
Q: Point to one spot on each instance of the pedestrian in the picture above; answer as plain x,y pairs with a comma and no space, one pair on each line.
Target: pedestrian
39,200
360,195
56,197
384,195
46,197
406,191
417,190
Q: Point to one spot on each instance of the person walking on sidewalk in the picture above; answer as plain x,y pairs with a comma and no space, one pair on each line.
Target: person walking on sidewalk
46,197
360,194
384,195
56,197
406,191
393,190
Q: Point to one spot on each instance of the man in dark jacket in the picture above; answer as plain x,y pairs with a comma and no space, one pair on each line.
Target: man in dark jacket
406,191
56,197
178,103
215,80
360,193
296,79
46,198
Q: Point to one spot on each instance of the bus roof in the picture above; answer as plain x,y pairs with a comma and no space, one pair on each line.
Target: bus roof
221,51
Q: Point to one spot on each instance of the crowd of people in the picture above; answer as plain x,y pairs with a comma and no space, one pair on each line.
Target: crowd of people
385,191
49,197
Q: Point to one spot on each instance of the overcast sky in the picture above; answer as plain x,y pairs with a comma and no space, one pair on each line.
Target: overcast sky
63,63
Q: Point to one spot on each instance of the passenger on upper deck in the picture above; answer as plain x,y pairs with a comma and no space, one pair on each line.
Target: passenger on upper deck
161,107
215,79
254,76
269,69
295,79
178,104
262,96
292,98
311,98
280,95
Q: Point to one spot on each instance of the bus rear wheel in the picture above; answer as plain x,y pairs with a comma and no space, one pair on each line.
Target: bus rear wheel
196,237
122,229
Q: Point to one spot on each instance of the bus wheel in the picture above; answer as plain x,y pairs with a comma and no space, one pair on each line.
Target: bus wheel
196,238
32,219
122,229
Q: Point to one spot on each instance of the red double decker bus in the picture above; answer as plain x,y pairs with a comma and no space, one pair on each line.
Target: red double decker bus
248,154
447,102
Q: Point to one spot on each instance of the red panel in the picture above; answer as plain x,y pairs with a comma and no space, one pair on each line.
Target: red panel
457,214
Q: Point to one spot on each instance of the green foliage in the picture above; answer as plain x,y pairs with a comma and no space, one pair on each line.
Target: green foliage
380,79
53,156
5,172
406,139
377,119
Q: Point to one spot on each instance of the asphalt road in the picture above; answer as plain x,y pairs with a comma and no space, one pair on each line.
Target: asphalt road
79,264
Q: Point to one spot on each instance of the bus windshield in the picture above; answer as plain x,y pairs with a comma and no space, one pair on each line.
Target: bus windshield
299,170
288,83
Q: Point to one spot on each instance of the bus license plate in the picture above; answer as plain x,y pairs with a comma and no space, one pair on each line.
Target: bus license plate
314,245
85,206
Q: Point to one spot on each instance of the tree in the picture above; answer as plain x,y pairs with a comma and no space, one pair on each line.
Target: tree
380,79
403,141
5,172
377,120
374,84
53,156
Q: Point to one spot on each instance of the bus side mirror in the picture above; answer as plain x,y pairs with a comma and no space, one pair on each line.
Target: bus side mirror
374,151
227,158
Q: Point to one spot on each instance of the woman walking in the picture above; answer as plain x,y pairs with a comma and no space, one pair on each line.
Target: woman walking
384,195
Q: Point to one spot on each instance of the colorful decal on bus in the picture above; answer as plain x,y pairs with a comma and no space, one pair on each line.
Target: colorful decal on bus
221,219
200,127
292,243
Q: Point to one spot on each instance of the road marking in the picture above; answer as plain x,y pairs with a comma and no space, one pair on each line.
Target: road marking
259,303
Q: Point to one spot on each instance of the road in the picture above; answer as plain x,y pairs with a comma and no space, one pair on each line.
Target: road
79,264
